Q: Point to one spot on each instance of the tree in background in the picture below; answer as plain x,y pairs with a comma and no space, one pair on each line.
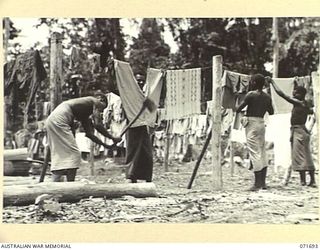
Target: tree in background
202,39
243,42
299,53
106,38
246,43
11,48
149,49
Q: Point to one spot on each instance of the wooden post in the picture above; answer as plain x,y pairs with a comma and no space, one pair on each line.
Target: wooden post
55,70
216,122
316,96
275,39
231,158
6,38
5,50
167,148
91,158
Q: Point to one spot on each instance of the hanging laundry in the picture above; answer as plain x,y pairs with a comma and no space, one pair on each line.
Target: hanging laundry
303,81
316,92
306,81
206,84
233,86
278,132
159,145
280,105
226,117
161,115
131,95
46,109
228,90
154,83
22,138
180,126
183,93
74,58
114,110
202,126
28,72
113,118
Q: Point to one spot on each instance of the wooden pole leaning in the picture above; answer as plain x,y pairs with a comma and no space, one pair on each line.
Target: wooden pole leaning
216,122
203,151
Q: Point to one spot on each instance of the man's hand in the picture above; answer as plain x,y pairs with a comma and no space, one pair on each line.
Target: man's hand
116,139
268,79
107,146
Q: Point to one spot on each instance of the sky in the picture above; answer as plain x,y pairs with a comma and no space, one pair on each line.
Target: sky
30,35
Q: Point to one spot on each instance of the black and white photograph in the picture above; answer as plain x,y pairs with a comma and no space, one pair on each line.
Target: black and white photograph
161,120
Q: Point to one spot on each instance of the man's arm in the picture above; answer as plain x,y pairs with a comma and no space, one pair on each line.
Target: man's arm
270,108
242,104
89,130
281,93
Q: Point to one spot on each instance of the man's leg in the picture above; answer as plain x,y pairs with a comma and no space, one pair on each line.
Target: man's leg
257,181
312,179
57,175
302,177
287,175
263,177
71,174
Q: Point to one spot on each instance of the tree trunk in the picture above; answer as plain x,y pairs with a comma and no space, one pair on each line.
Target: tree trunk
74,191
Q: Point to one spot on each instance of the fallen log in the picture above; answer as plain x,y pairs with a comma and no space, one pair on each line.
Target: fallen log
15,154
22,182
16,168
74,191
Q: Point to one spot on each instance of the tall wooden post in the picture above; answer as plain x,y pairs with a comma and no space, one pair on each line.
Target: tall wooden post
167,148
56,76
5,51
6,38
316,97
317,100
275,38
91,158
231,158
216,122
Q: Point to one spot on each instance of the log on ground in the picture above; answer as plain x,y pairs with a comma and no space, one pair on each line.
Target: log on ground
74,191
15,154
16,168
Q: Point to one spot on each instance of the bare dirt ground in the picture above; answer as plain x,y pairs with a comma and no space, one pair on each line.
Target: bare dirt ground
292,204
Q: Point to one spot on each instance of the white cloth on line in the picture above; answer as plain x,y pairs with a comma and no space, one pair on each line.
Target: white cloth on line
183,93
